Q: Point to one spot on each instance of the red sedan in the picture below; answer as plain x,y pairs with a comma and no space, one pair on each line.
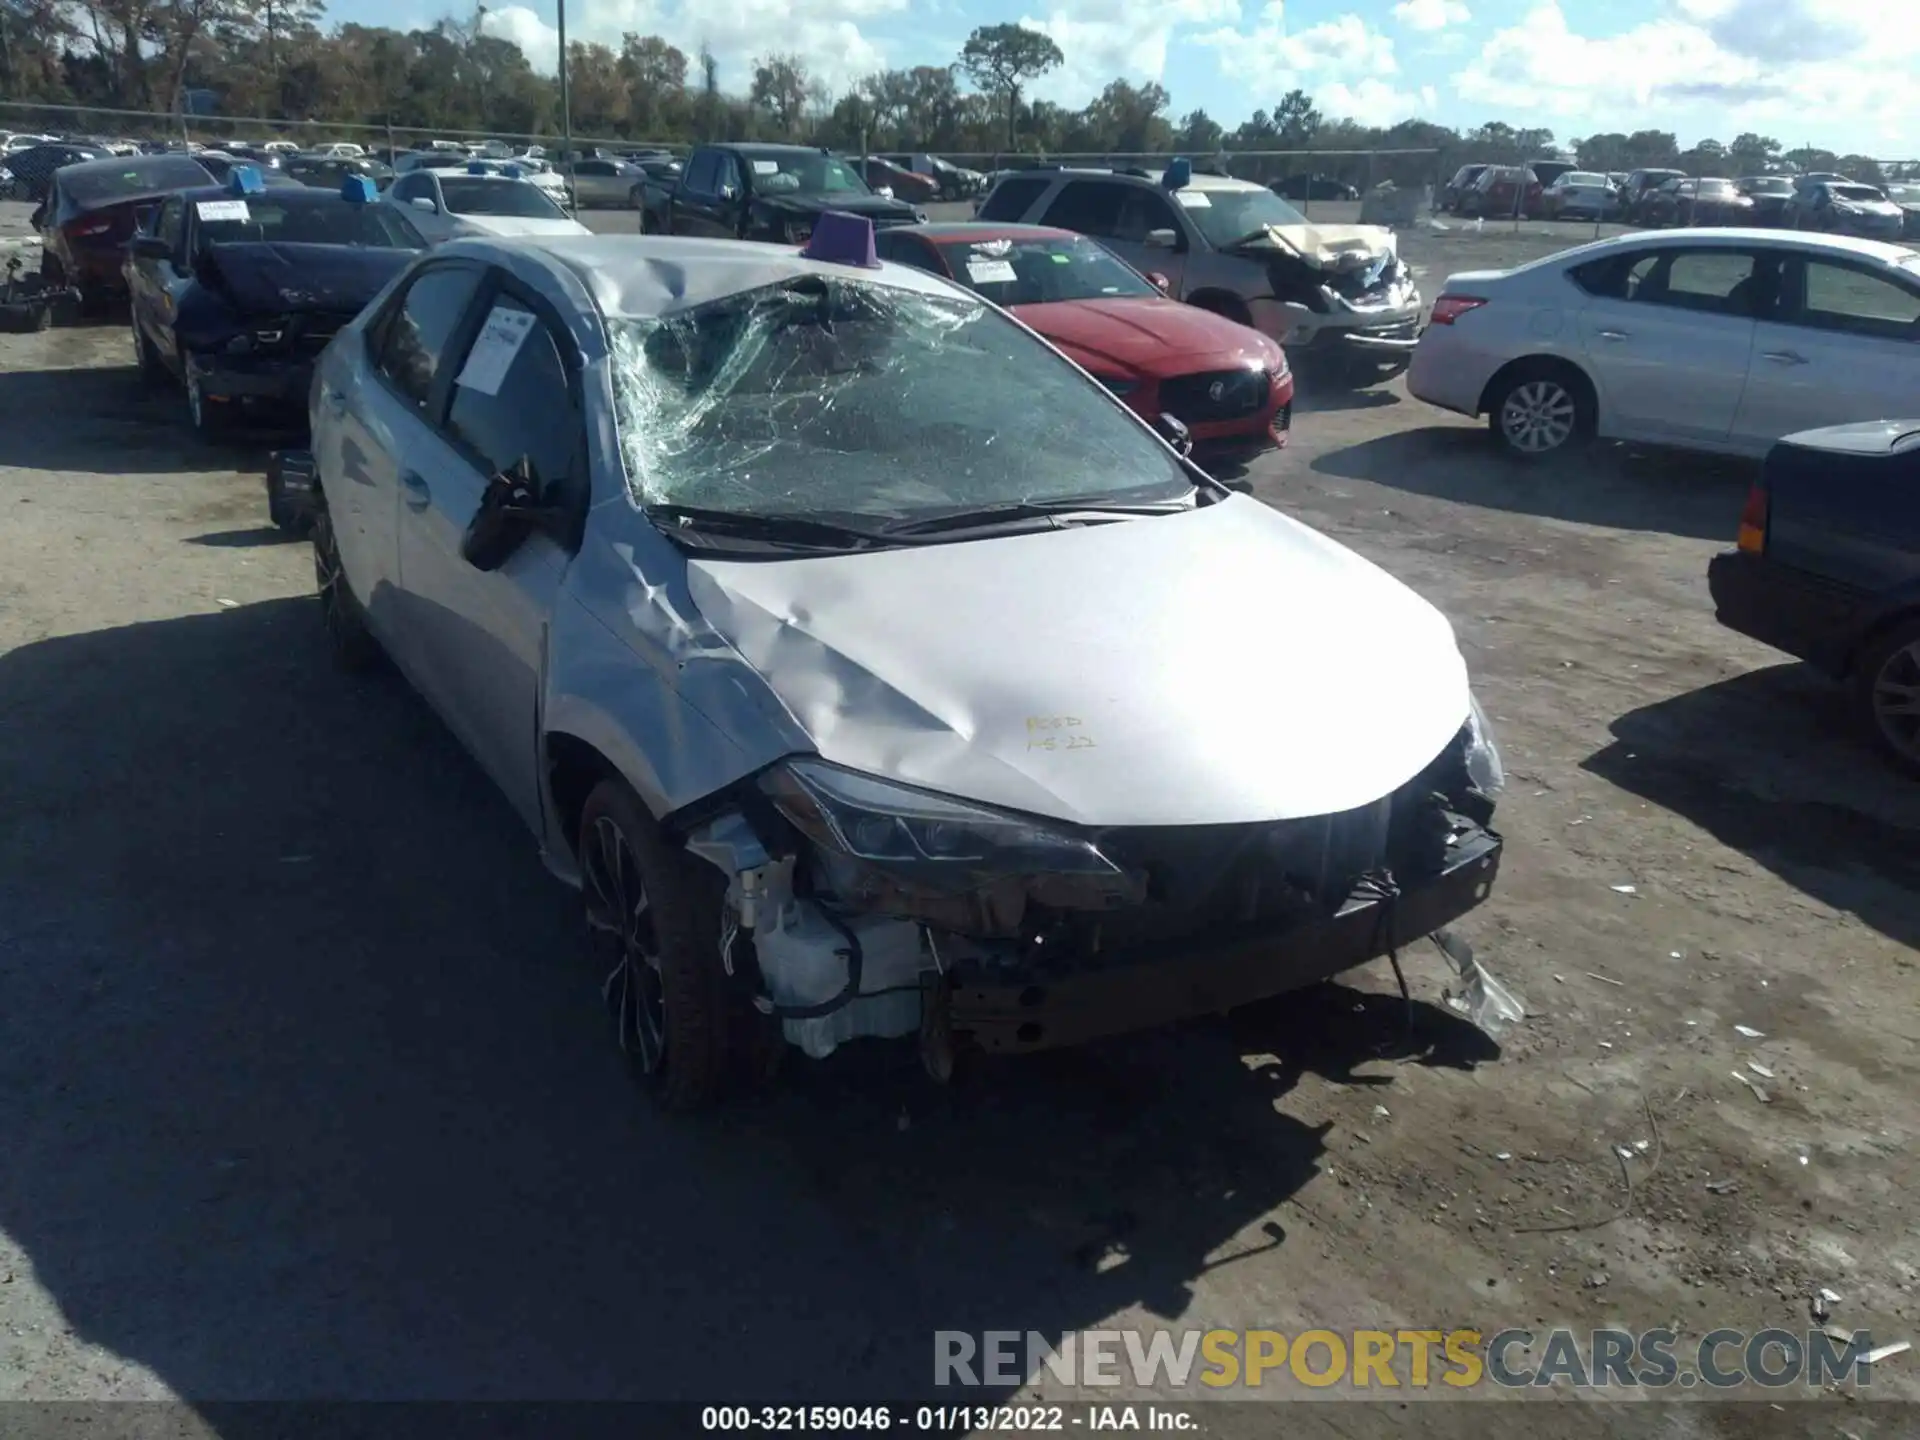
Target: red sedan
1227,383
90,212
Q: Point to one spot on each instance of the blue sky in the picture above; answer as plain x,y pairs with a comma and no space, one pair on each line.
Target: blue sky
1824,72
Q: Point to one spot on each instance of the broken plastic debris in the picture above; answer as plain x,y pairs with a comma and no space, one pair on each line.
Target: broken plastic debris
1749,1032
1723,1187
1675,955
1887,1352
1759,1069
1623,1152
1503,1155
1382,1112
1753,1085
1606,1044
1625,890
1606,979
1641,1144
1484,1000
226,604
1805,1161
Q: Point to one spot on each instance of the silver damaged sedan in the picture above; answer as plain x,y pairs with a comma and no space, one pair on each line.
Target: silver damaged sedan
869,669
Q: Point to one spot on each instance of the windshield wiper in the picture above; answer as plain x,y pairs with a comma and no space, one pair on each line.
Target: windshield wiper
1085,507
685,520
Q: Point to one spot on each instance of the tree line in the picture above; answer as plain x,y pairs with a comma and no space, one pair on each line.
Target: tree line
273,58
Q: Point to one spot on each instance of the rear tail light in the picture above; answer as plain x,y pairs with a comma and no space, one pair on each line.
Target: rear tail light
1448,308
1753,522
86,229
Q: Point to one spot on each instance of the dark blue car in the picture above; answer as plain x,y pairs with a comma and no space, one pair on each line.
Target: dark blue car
236,289
1828,568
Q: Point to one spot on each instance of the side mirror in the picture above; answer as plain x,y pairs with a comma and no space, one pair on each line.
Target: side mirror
426,203
885,192
1159,282
1162,239
729,193
151,247
1173,430
510,510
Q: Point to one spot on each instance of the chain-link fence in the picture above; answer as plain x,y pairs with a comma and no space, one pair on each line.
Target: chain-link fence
149,126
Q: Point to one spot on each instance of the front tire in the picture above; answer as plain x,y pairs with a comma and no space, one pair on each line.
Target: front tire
653,917
1886,693
349,640
1540,412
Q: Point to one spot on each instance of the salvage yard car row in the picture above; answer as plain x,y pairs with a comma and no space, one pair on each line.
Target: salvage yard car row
693,543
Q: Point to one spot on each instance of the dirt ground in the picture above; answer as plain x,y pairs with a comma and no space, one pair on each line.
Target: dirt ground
305,1090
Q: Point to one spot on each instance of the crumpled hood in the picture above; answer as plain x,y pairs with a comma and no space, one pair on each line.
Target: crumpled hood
1146,335
875,206
518,225
1330,247
1225,665
269,278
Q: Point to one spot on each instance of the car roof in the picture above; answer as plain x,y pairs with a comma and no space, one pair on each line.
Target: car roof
1152,178
282,194
124,162
984,230
1887,252
643,276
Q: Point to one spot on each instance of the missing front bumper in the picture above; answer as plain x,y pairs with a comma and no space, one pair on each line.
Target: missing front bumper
1012,1016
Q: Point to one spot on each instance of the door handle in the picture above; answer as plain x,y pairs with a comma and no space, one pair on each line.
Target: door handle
1613,334
418,496
1784,357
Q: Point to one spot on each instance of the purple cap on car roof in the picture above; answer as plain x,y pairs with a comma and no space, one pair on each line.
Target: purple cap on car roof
842,239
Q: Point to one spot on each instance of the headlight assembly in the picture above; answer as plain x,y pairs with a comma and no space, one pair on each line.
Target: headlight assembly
1489,776
933,839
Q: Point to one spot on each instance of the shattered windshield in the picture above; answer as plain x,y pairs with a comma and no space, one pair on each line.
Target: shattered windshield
858,402
1228,216
1041,271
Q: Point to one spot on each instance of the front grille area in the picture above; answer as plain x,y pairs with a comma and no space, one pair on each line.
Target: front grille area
1405,330
1215,395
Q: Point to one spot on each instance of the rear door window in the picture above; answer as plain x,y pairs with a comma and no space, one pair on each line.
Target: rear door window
1092,207
1014,196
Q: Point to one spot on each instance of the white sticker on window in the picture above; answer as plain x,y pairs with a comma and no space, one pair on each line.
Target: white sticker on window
222,210
990,272
499,341
1193,199
766,167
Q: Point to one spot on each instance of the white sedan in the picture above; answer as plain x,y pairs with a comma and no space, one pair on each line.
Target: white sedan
480,199
834,634
1719,340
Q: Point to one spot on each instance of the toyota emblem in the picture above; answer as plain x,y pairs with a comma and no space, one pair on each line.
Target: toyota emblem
1217,391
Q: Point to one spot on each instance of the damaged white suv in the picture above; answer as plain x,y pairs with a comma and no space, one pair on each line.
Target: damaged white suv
1339,297
870,668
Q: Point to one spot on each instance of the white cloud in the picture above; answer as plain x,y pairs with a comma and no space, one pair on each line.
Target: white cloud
1438,14
825,34
1101,41
1711,67
1341,47
1344,63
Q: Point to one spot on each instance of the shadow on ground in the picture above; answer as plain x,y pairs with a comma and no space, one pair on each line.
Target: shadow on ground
1770,764
1610,485
135,430
305,1090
